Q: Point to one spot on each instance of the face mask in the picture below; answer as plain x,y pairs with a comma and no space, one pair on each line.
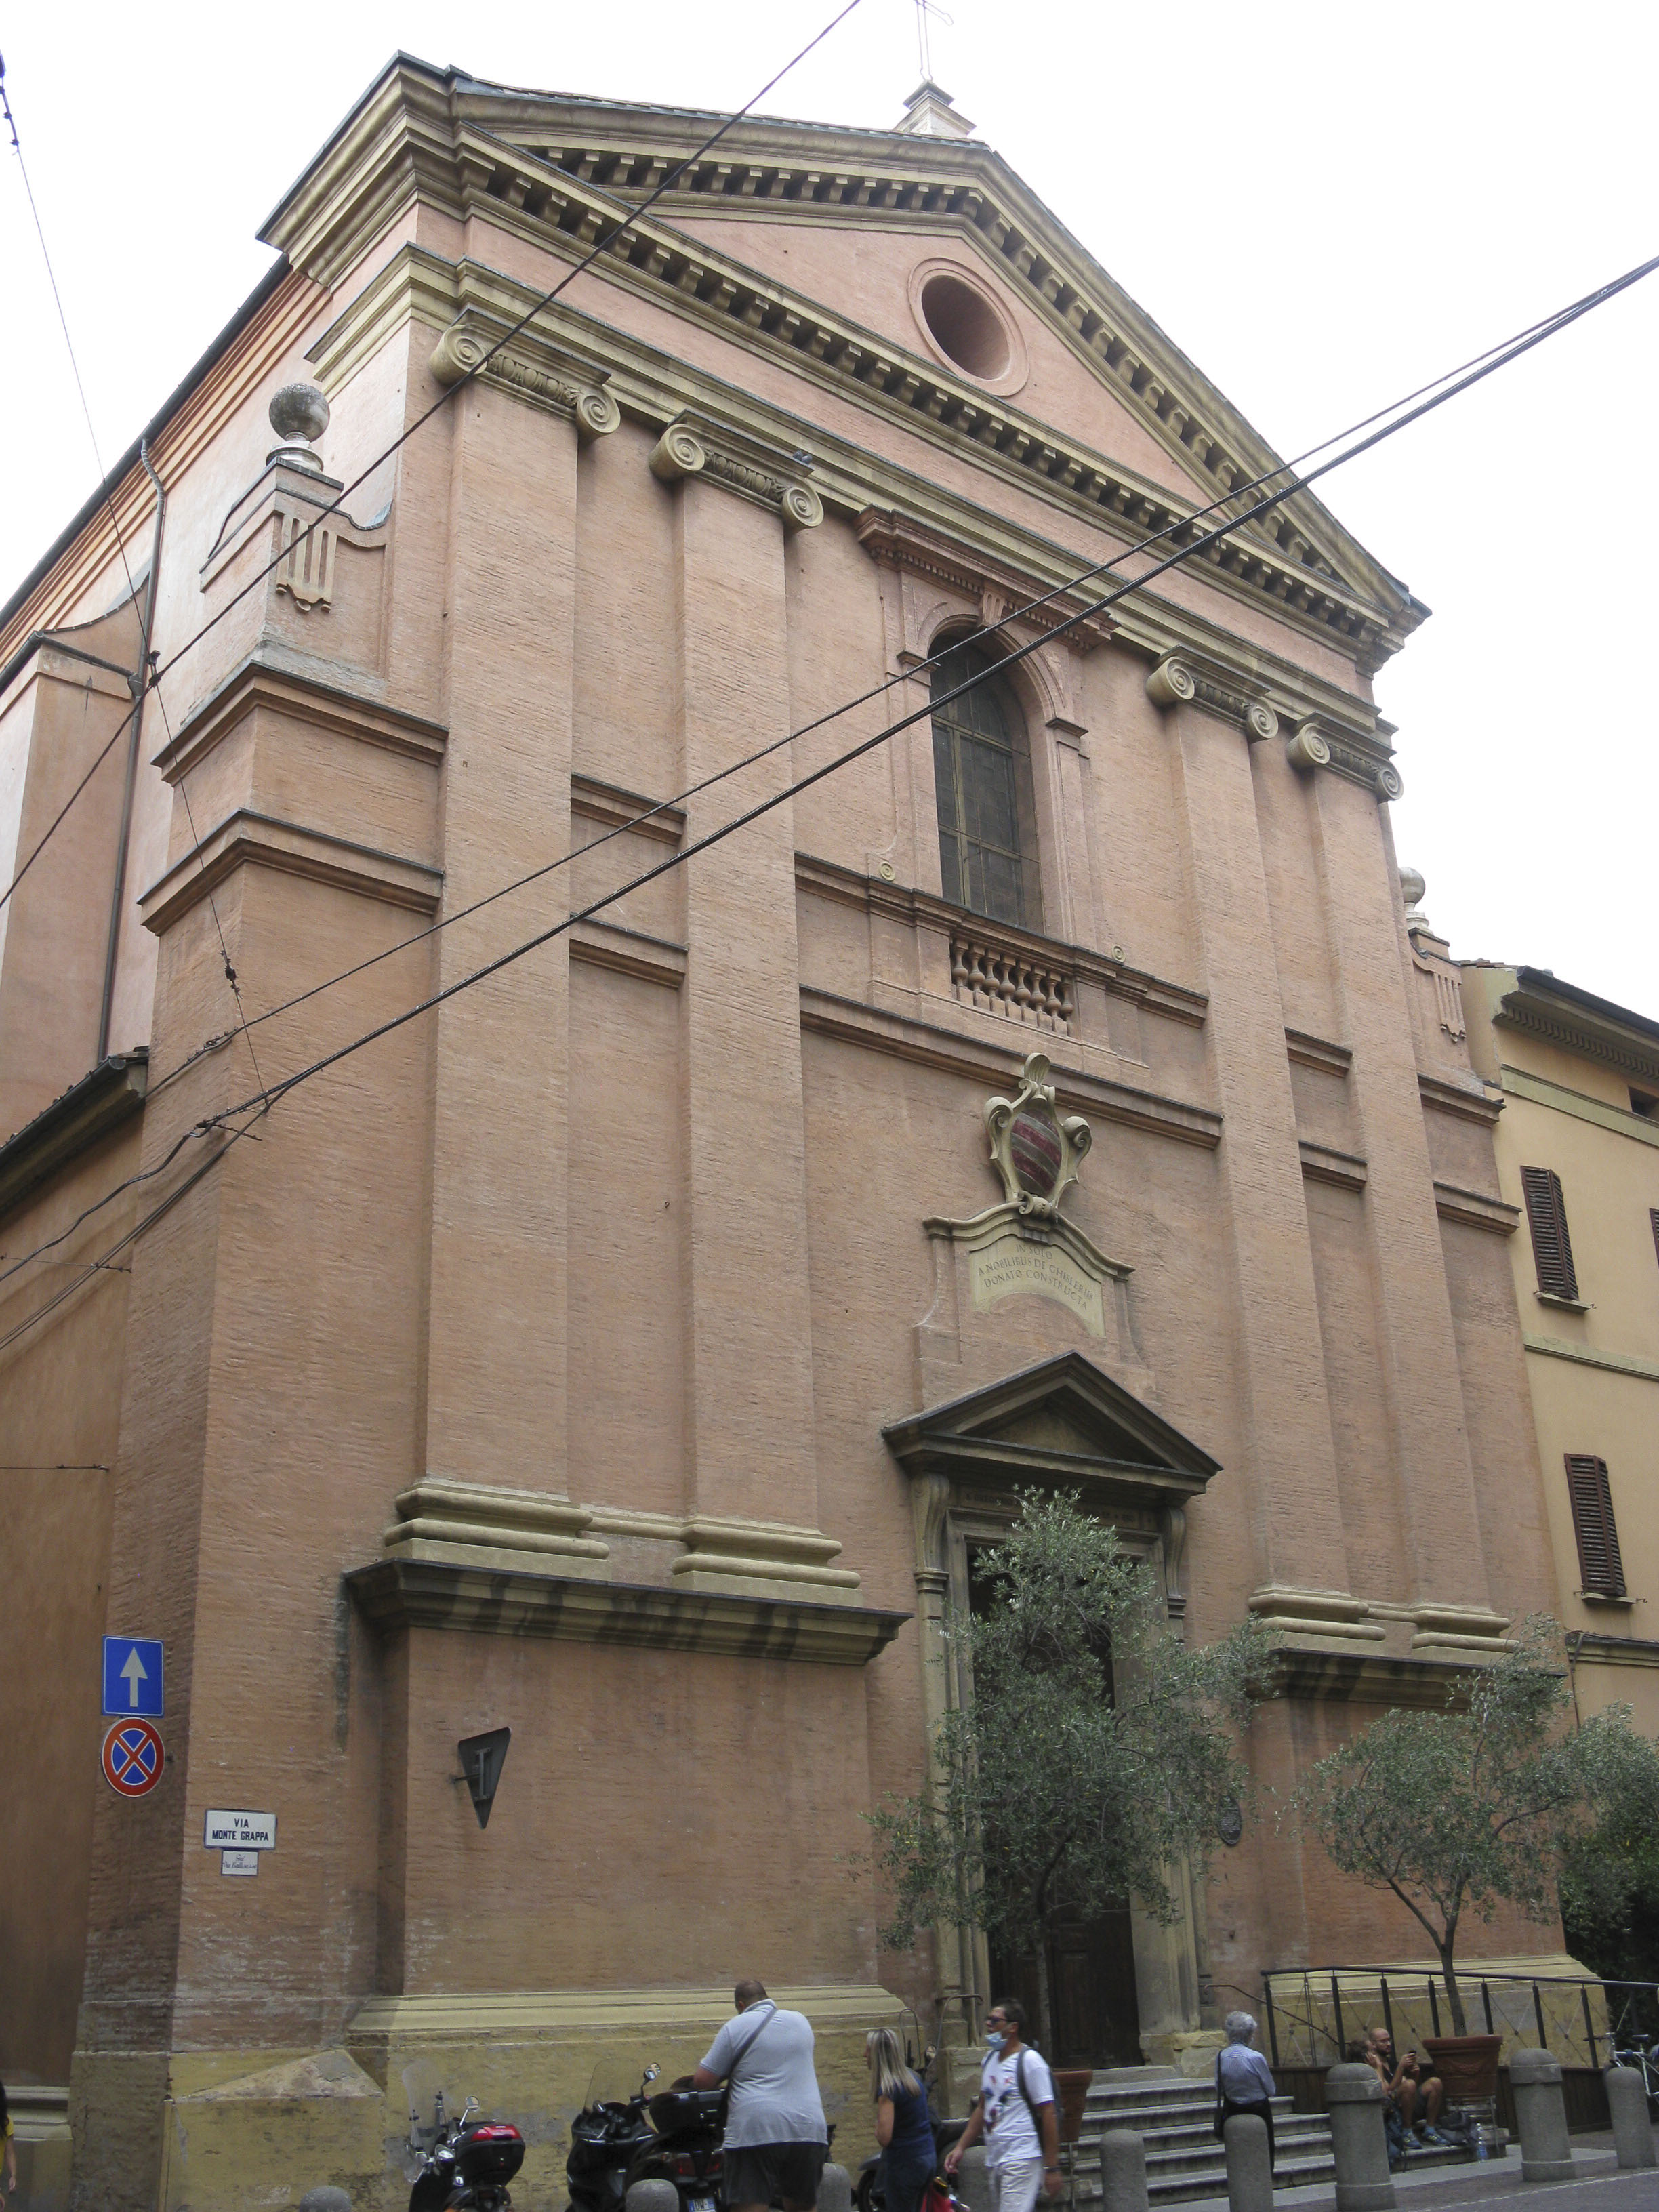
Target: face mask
995,2038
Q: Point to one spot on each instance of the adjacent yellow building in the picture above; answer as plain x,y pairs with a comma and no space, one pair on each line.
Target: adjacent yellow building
1578,1157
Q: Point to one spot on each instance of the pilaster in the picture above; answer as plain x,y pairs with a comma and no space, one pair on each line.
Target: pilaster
748,1354
1417,1342
1289,1459
496,1379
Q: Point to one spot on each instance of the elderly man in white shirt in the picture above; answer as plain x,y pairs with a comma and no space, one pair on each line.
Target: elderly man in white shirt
1244,2081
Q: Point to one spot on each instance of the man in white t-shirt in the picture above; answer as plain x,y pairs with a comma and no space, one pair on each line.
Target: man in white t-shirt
1015,2115
776,2140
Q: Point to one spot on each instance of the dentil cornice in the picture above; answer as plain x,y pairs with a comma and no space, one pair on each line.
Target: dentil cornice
770,170
412,137
912,517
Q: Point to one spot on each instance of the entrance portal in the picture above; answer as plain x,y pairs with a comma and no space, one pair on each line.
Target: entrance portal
1092,1979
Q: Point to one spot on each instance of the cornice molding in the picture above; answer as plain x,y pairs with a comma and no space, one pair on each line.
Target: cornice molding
1586,1355
775,171
400,1592
951,1052
1461,1102
326,228
275,677
898,541
1579,1030
905,904
1308,1051
1323,1163
1539,1090
614,808
79,1117
653,387
1475,1209
248,839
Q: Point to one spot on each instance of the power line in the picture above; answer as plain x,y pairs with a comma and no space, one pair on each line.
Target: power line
602,245
1264,506
145,680
1013,615
267,1099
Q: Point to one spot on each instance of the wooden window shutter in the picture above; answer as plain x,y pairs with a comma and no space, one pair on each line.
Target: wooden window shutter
1552,1248
1599,1563
1653,1217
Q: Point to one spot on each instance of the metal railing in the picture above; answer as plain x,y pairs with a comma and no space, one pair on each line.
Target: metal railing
1312,2014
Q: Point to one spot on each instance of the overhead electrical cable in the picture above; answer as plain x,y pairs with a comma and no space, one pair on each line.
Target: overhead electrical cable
806,729
267,1098
1181,554
147,679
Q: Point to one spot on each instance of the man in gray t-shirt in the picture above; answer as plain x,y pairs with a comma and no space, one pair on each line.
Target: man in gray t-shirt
775,2137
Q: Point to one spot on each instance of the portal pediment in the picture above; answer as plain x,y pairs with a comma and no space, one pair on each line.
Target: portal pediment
1063,1423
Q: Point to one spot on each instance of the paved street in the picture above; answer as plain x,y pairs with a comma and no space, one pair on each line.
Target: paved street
1598,2186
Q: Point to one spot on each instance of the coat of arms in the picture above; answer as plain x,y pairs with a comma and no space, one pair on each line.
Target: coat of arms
1035,1151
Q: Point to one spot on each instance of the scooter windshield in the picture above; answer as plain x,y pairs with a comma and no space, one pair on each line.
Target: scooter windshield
431,2104
621,2072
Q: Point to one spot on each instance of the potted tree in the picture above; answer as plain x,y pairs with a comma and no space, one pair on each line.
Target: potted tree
1458,1811
1093,1751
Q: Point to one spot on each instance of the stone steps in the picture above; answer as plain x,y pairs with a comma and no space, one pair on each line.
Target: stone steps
1175,2118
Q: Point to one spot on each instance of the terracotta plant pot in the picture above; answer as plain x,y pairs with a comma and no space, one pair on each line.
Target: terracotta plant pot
1467,2064
1071,2087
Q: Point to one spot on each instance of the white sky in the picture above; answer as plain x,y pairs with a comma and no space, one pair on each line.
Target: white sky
1324,206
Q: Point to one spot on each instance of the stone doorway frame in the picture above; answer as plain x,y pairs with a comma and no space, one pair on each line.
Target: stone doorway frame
966,1460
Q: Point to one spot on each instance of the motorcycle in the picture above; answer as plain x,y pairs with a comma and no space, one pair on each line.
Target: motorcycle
456,2160
869,2192
617,2140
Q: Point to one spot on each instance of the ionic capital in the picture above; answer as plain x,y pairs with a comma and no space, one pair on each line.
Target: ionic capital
530,371
695,446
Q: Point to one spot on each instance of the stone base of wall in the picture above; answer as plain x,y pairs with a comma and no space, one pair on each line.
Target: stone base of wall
243,2128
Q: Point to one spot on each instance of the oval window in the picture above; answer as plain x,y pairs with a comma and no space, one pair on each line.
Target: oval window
966,328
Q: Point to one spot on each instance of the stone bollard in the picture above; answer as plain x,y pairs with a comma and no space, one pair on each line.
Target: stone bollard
1357,2100
1632,2131
325,2200
1540,2116
1249,2169
1122,2172
652,2196
974,2181
834,2189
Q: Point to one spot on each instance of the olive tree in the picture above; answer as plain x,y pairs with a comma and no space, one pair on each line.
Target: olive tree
1092,1750
1490,1801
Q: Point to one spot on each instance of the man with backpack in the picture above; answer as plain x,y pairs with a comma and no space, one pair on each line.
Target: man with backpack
1015,2115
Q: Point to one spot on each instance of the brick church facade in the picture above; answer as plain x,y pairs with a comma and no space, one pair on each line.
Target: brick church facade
633,1351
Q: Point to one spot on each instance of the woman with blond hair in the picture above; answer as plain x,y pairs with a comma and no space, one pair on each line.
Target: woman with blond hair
904,2127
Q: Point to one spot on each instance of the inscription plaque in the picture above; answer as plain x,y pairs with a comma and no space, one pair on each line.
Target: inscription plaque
1016,1267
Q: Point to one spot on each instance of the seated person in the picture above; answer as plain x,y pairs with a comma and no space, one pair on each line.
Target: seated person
1417,2097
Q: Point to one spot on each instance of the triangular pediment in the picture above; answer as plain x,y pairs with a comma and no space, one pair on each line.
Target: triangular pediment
1063,1423
559,168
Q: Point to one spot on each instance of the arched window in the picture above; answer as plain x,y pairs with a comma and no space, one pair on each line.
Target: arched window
983,776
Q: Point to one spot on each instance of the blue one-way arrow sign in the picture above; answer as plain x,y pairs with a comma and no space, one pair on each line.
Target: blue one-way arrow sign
132,1676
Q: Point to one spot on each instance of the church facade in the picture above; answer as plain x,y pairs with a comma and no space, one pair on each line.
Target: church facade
632,1352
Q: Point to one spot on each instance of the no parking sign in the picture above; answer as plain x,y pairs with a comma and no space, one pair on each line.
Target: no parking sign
133,1758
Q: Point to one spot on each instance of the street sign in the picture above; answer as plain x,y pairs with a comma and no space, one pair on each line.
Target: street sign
239,1831
132,1675
133,1758
239,1862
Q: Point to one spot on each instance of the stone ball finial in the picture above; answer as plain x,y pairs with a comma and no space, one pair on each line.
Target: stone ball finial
1412,889
299,411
